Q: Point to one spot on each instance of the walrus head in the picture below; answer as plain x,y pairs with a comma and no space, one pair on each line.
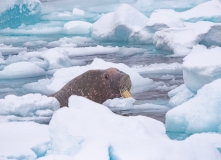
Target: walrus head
96,85
118,82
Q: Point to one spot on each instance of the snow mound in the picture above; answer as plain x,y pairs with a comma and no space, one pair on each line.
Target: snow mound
180,41
77,27
15,12
56,58
97,133
201,66
29,105
199,114
21,70
210,11
118,102
7,50
118,25
26,140
179,95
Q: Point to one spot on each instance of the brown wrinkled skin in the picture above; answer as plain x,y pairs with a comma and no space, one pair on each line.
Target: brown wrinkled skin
96,85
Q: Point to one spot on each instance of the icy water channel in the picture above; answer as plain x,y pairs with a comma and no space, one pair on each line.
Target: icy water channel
152,96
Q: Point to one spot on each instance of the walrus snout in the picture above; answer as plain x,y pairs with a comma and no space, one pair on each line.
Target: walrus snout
125,86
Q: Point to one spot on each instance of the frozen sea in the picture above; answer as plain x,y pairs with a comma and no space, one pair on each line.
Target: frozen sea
170,49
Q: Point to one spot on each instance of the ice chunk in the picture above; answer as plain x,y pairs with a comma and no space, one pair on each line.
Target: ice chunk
84,51
27,105
97,133
74,41
21,70
199,114
180,41
39,62
150,5
15,12
161,68
78,12
179,95
201,66
56,58
26,140
32,44
39,87
117,102
6,50
77,27
209,11
118,25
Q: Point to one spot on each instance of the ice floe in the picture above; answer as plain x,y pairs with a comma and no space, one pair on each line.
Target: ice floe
30,107
15,12
118,25
179,95
199,114
21,70
201,66
161,68
7,50
77,27
26,140
109,136
180,41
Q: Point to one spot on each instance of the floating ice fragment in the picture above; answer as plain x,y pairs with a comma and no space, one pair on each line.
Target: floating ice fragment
199,114
21,70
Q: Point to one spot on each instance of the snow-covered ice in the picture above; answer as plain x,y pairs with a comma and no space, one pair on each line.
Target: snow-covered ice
180,41
30,107
7,50
201,66
21,70
23,140
106,135
118,25
118,102
77,27
161,68
179,95
15,12
199,114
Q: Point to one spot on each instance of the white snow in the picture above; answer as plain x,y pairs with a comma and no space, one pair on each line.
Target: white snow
180,41
118,102
21,70
97,133
179,95
29,105
26,140
118,25
201,66
6,50
199,114
160,68
56,58
78,12
77,27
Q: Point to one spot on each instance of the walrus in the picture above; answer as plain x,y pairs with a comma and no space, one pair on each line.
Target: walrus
96,85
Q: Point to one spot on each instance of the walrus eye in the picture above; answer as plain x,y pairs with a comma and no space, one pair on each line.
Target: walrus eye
106,77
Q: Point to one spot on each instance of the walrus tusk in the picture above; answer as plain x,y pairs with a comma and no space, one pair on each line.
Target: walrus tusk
126,94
